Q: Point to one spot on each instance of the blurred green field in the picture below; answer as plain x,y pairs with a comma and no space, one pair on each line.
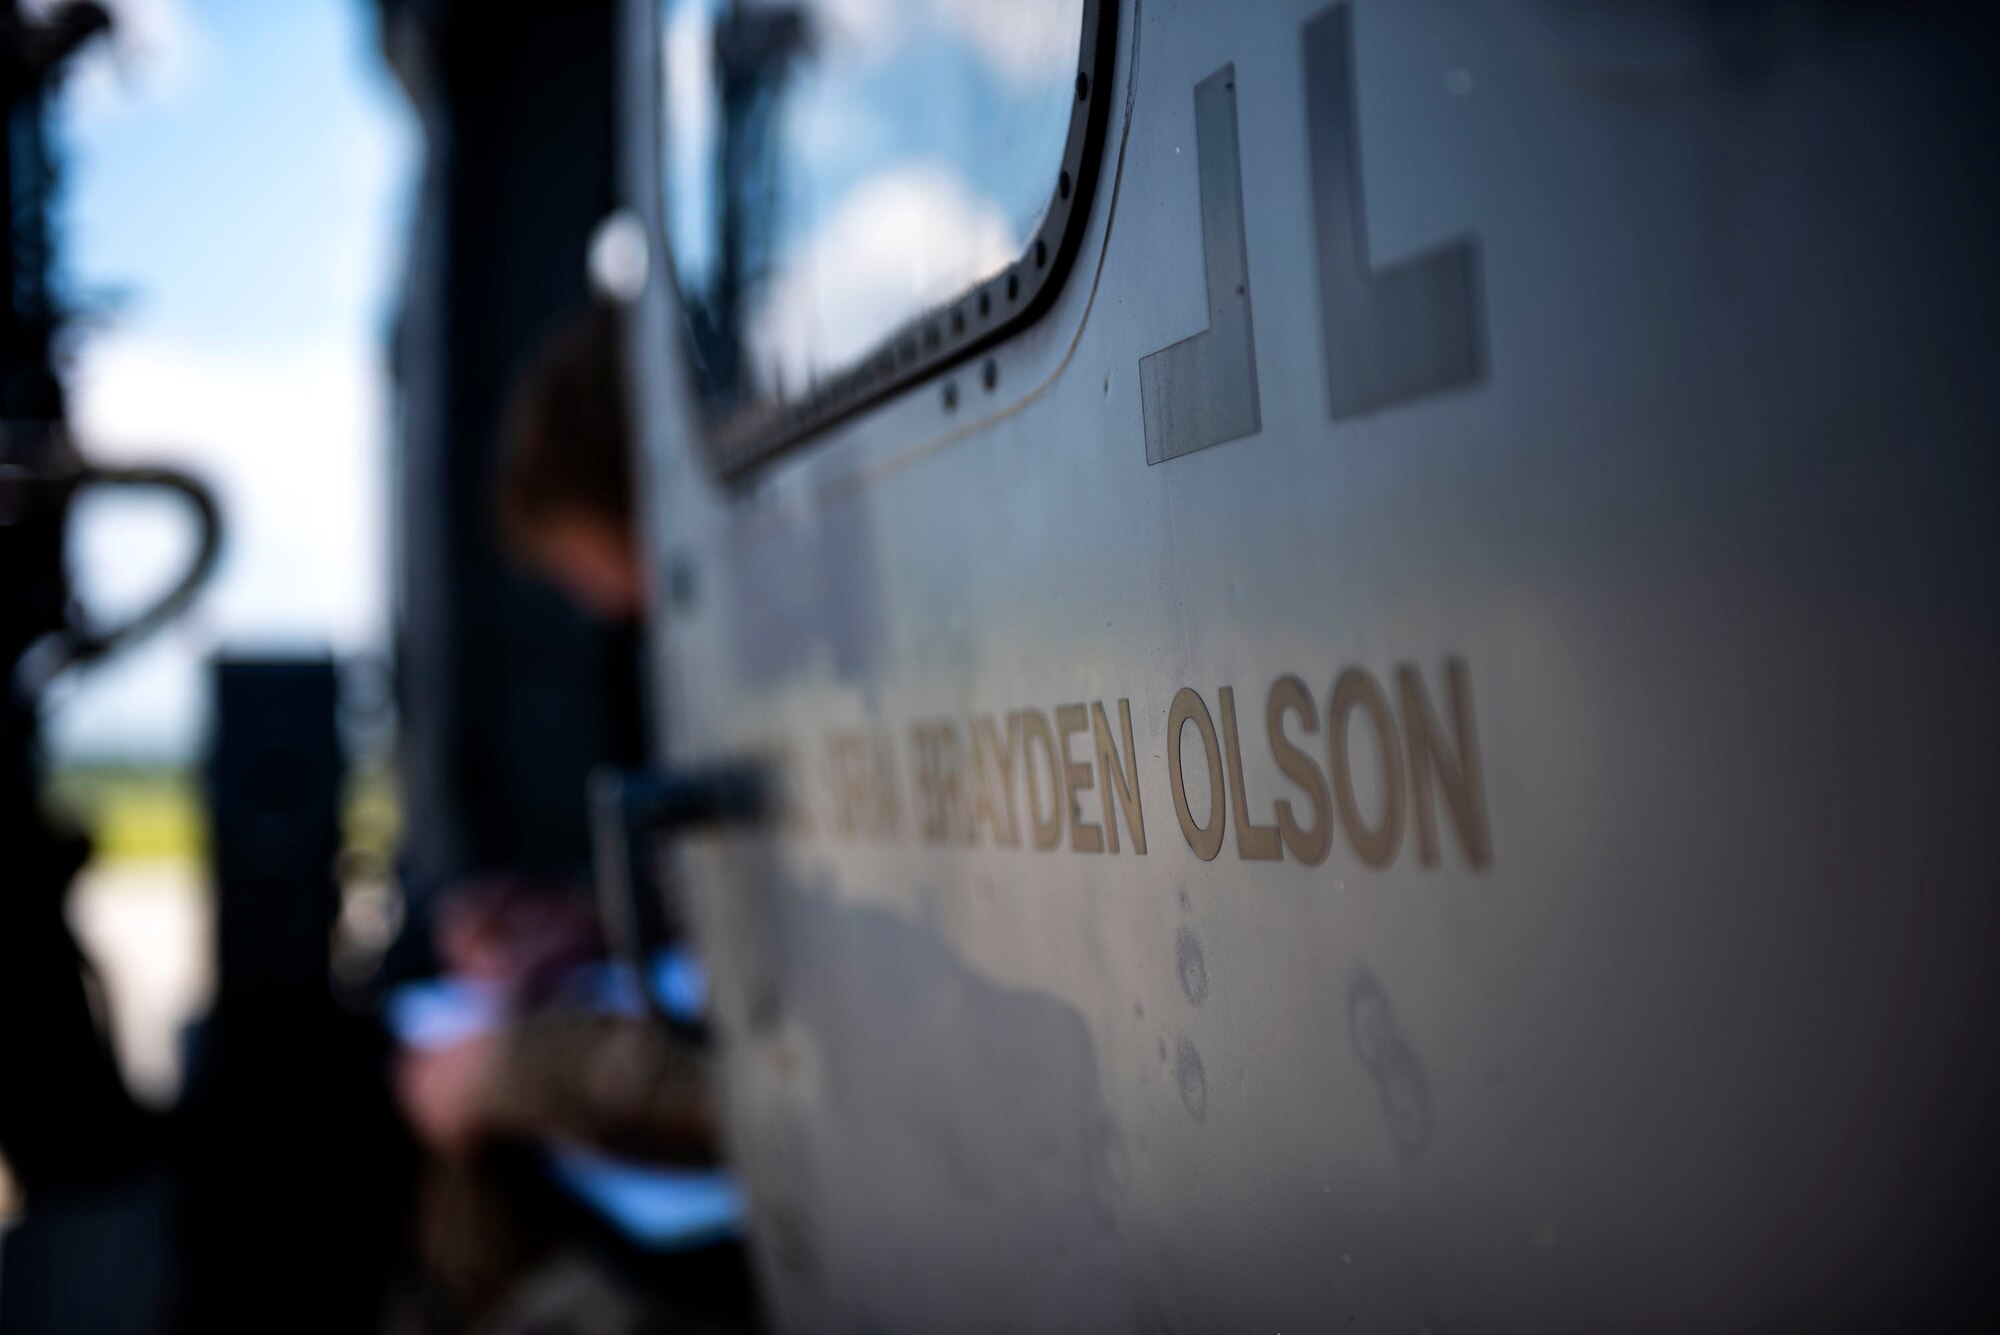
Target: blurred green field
132,813
154,813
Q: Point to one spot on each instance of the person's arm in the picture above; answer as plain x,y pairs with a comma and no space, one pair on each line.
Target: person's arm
614,1083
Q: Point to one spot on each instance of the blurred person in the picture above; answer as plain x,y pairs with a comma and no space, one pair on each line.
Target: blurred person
565,485
538,1056
528,1055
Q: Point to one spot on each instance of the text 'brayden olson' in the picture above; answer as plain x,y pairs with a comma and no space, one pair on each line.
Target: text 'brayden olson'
1375,764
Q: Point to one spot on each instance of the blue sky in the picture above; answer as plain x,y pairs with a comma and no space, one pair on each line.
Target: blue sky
238,182
231,196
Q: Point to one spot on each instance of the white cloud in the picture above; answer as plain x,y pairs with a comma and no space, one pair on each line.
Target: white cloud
157,51
292,441
897,244
291,438
1023,40
689,42
870,23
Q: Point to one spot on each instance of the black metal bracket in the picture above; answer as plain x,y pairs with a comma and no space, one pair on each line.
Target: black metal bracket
26,493
630,812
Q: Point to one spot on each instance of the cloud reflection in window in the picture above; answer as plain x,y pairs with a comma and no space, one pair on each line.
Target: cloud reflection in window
837,167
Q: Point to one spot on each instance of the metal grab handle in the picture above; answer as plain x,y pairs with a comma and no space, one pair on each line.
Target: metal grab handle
79,646
89,645
629,810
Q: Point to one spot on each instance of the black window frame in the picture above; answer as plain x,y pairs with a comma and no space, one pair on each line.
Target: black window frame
949,334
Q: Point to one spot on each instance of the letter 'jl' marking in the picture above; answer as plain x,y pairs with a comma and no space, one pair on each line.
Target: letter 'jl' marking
1405,331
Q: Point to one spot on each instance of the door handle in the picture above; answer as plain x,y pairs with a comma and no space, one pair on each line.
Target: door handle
630,812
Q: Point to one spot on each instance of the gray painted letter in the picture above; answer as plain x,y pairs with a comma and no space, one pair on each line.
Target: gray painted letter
1203,390
1411,329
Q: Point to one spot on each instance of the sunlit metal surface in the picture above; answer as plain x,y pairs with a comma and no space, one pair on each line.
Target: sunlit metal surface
1547,754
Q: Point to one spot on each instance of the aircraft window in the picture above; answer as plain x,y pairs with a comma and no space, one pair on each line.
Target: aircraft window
860,192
